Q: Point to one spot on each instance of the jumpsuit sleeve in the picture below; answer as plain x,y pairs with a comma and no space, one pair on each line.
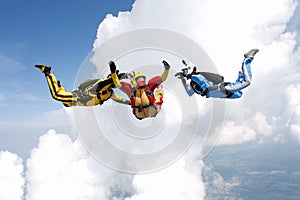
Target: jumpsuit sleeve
126,88
123,86
188,89
154,82
157,80
116,80
119,99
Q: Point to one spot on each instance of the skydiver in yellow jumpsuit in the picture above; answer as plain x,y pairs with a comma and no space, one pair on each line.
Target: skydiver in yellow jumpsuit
89,93
145,101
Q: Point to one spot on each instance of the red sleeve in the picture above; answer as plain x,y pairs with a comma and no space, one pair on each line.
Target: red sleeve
126,88
154,82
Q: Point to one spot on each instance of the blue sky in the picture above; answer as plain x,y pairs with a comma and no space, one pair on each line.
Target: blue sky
56,33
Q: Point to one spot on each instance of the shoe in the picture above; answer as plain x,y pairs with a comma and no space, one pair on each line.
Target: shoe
166,65
45,69
251,53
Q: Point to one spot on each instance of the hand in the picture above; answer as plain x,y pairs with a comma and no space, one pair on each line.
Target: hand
122,75
112,67
130,75
166,65
181,76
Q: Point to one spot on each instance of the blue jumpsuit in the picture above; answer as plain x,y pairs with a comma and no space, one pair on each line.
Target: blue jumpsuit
232,90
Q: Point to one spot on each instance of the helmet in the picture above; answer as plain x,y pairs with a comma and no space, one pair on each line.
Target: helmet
139,79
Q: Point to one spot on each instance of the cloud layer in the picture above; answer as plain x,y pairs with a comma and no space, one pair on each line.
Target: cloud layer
226,30
58,169
12,181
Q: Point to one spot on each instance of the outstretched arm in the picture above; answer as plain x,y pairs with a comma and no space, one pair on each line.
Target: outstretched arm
123,86
113,71
186,86
157,80
119,99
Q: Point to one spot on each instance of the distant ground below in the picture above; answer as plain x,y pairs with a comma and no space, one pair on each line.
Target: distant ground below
253,171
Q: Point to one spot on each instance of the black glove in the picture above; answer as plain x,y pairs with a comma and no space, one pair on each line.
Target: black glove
183,61
112,67
181,76
166,65
122,75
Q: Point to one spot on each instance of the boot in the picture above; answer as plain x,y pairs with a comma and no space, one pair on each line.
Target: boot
45,69
251,53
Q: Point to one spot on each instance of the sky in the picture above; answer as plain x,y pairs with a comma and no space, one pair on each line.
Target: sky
37,143
56,33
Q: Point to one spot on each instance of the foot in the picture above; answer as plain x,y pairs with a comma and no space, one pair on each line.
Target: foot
251,53
166,65
45,69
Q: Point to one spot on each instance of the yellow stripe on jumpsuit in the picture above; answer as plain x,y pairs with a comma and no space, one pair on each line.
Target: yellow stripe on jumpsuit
90,93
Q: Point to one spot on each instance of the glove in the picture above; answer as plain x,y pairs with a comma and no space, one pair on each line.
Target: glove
121,75
130,75
112,67
166,65
183,61
181,76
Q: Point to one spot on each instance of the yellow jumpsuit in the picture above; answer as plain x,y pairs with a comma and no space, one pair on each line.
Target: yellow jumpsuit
94,93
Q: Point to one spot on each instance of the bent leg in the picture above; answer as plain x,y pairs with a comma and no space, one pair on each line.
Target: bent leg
164,75
58,92
244,77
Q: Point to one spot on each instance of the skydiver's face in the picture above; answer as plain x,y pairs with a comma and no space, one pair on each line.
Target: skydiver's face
141,81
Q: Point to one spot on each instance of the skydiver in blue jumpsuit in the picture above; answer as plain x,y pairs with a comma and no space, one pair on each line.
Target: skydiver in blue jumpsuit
212,85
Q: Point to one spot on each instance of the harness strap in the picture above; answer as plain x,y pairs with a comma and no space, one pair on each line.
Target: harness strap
140,108
149,94
103,93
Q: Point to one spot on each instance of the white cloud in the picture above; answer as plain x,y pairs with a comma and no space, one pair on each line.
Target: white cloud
179,181
233,133
11,176
261,124
295,129
243,25
58,169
